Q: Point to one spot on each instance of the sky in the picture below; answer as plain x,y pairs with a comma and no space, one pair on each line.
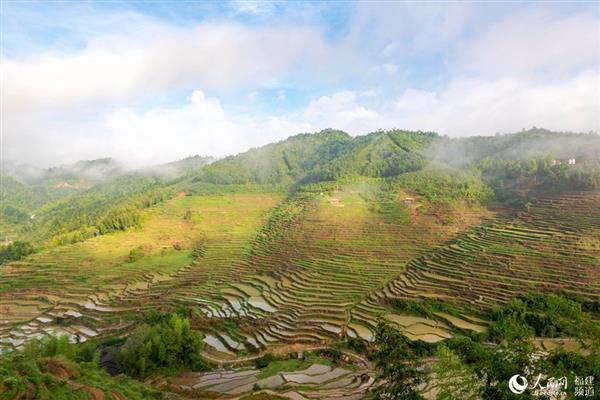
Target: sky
153,81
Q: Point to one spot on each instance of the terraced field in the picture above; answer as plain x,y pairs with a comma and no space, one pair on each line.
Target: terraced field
293,379
553,246
96,288
261,271
313,265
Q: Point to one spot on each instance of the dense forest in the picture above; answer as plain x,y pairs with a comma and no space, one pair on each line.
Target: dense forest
95,197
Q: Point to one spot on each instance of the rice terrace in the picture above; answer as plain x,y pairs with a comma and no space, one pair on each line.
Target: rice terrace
277,200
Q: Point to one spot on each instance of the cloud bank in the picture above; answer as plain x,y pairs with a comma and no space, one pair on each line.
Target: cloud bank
166,90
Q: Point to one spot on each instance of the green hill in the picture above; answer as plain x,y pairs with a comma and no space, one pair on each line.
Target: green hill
326,155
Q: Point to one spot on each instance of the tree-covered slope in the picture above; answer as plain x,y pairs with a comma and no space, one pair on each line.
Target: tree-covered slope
511,165
280,163
533,143
70,203
15,194
17,201
104,208
534,158
326,155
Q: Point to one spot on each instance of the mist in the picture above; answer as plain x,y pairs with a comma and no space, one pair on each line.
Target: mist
526,145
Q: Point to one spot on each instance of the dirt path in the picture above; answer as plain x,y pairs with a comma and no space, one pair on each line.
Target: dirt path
283,350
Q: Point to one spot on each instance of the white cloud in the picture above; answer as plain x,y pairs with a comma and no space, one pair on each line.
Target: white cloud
534,42
470,107
142,137
413,100
384,68
397,29
403,66
340,110
259,7
200,126
118,69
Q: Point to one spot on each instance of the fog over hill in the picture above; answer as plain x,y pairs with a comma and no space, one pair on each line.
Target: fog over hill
510,164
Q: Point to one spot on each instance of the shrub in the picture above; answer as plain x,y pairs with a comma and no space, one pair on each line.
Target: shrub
542,315
264,361
356,345
334,355
15,251
169,344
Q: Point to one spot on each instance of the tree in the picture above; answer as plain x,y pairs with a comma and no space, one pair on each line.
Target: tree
15,251
399,368
454,379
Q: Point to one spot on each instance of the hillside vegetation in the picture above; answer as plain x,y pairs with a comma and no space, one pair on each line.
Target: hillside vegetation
327,155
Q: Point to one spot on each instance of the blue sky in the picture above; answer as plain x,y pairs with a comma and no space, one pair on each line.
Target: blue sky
154,81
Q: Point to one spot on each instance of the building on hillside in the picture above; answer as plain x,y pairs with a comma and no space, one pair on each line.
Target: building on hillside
560,161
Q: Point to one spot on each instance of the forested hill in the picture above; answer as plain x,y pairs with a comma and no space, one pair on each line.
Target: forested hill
103,196
535,158
17,201
64,179
14,193
60,181
327,155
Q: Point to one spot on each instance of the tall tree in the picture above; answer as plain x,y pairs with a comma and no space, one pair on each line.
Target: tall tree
399,368
454,379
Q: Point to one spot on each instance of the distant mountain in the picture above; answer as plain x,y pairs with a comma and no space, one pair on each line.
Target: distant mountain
16,194
176,169
60,181
17,201
512,163
80,175
533,143
90,197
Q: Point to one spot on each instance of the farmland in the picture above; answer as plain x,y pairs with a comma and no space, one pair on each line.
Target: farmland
309,268
292,270
96,287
